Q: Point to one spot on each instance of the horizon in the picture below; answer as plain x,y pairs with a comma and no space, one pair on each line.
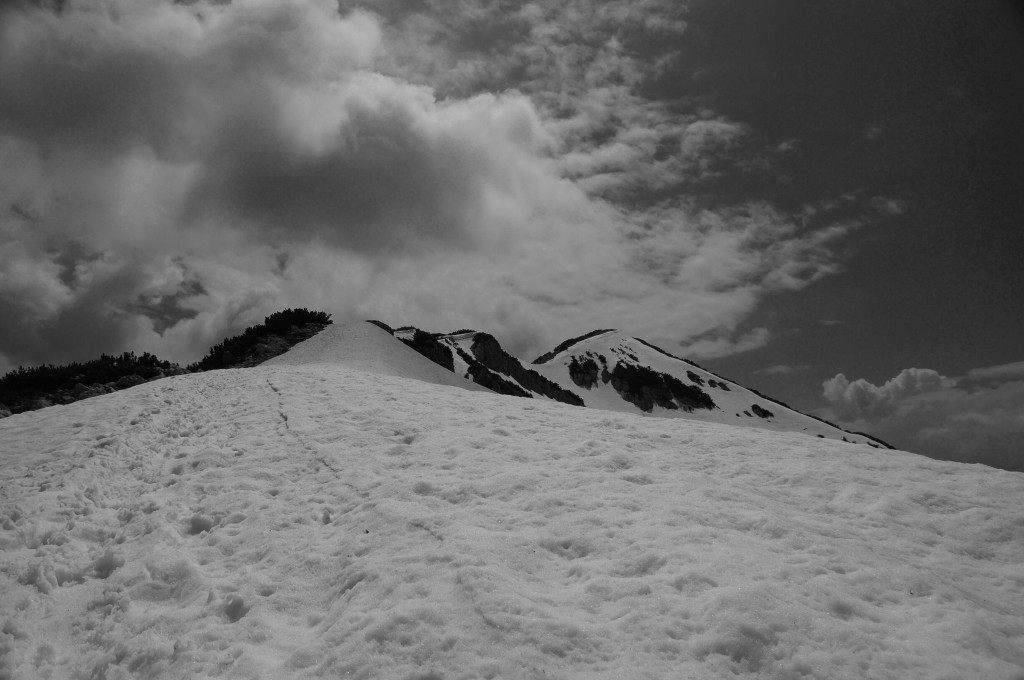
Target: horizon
818,200
200,366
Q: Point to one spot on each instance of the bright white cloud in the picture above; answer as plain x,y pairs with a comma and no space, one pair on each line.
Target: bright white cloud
861,398
949,418
171,172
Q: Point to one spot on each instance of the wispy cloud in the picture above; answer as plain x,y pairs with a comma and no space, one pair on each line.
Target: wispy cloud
1010,371
170,172
976,418
782,369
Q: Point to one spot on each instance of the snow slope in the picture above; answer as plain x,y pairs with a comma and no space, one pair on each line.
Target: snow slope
318,521
366,347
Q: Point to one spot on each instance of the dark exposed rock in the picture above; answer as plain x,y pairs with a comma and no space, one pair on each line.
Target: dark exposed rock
639,387
429,346
584,373
689,397
484,376
761,412
646,388
488,352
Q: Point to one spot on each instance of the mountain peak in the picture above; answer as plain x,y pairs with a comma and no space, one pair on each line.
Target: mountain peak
608,369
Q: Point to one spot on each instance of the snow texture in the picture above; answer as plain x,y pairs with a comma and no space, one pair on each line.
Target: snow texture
311,519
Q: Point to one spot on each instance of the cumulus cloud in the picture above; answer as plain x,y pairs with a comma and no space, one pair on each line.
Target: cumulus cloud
171,172
860,398
976,418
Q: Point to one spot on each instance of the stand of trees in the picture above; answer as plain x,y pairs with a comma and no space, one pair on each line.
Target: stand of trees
27,389
277,334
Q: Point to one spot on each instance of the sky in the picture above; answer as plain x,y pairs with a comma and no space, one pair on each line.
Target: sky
818,199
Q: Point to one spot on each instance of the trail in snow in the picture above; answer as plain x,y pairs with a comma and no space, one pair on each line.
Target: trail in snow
318,521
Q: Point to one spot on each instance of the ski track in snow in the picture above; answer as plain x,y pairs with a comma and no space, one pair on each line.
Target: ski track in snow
318,521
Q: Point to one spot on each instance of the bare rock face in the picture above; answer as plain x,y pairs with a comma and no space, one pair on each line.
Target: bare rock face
646,388
487,363
429,346
584,373
488,352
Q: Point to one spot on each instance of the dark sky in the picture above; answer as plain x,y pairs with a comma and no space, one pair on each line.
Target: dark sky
921,101
820,199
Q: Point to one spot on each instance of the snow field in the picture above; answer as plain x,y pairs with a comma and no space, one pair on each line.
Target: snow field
318,521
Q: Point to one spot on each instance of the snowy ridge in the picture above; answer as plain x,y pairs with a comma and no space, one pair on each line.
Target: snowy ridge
609,370
312,520
732,403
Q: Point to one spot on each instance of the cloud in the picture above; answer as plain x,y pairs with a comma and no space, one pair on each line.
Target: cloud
957,419
782,369
1001,372
171,172
860,398
721,342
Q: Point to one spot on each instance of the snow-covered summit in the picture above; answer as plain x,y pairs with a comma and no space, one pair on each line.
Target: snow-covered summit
614,371
610,370
367,347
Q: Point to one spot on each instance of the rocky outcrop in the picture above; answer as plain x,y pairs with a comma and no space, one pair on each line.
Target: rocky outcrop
646,388
584,373
429,346
482,375
488,351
